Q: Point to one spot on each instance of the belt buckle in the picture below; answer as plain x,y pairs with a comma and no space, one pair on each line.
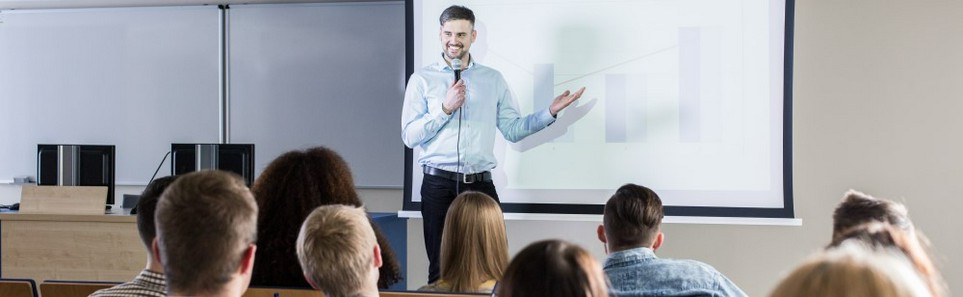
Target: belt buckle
464,178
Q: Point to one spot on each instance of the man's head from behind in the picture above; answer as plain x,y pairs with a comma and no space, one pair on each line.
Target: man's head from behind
206,230
632,219
146,207
338,251
858,208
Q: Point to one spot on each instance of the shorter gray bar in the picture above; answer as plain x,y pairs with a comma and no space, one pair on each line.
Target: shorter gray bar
206,156
68,156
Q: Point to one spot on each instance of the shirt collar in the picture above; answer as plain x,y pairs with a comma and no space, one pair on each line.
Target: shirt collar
151,279
442,65
623,256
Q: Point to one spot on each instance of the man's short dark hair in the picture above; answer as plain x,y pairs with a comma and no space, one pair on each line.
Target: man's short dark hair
146,207
632,217
858,208
456,12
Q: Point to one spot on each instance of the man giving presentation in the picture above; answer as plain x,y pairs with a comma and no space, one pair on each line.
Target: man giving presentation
451,110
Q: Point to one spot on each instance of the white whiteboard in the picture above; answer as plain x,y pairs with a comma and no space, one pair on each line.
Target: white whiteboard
137,78
333,74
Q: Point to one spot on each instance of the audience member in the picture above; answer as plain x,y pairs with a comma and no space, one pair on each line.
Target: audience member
553,268
150,281
474,246
631,231
206,230
858,208
852,270
287,191
339,253
880,236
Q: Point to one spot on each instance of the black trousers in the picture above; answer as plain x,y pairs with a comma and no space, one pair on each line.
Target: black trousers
437,193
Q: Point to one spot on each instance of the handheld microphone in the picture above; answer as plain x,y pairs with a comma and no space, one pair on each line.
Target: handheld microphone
456,65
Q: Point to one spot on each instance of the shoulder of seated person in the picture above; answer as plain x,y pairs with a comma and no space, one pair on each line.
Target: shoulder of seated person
439,285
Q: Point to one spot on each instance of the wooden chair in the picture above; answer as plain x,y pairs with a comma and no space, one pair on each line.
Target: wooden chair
427,294
15,287
280,292
72,288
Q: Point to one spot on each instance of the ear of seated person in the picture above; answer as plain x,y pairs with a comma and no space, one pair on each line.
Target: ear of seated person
631,232
474,246
150,282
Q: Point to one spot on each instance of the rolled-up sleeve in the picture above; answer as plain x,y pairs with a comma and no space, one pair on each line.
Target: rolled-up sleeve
513,126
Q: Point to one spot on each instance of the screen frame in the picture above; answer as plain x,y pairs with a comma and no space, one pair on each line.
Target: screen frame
787,211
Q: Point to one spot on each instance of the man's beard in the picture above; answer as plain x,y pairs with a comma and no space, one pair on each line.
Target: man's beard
461,57
464,53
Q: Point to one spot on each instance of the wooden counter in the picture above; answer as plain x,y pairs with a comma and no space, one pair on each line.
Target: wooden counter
106,247
70,247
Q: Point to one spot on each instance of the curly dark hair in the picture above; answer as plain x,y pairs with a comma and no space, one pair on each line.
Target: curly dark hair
287,191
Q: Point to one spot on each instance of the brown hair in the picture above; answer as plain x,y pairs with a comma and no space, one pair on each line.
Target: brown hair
852,270
456,12
553,268
205,222
858,208
632,217
335,247
880,236
474,246
287,190
146,207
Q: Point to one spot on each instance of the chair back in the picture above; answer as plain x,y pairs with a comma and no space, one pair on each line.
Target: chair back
15,287
72,288
280,292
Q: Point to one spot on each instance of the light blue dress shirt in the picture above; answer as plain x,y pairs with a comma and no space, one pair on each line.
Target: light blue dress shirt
488,104
638,272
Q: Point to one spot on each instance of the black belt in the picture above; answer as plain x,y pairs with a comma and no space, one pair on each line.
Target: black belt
465,178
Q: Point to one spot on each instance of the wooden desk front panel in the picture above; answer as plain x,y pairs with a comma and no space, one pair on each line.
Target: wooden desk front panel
70,250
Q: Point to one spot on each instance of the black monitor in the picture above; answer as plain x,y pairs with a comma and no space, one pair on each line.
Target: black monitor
76,165
237,158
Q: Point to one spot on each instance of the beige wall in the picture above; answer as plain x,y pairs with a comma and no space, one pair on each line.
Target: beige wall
877,107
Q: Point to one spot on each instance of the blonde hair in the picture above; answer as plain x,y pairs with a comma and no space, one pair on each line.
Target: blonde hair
474,246
211,208
553,268
854,270
336,248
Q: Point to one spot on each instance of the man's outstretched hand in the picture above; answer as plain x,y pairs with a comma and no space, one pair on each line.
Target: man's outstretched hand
564,100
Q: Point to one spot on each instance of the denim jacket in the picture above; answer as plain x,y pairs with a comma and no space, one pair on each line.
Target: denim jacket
638,272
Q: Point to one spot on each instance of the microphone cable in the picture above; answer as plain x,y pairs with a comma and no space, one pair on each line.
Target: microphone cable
134,209
456,63
458,152
158,167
